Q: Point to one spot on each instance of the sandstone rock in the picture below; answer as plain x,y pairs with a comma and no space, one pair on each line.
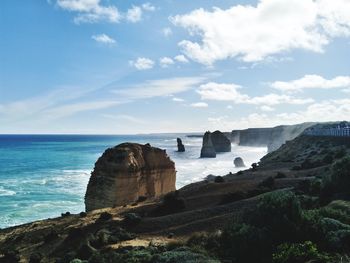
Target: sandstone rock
126,172
238,162
208,150
180,146
221,142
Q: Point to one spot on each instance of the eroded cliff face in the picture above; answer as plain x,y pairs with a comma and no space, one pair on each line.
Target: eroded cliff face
126,172
272,138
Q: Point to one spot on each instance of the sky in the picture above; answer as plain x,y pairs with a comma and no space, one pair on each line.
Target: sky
129,67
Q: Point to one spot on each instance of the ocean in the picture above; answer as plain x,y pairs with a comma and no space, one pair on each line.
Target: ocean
42,176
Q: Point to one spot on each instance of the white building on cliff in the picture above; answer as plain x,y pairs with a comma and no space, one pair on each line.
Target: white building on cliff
334,130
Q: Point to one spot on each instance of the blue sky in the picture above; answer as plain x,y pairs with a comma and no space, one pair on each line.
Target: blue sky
118,67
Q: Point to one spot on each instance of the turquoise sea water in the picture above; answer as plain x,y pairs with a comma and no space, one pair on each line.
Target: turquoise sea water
42,176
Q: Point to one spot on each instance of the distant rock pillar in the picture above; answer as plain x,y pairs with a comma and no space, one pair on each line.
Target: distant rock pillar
180,146
208,150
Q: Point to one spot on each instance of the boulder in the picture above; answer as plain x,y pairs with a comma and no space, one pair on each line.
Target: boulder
126,172
221,142
238,162
180,146
208,150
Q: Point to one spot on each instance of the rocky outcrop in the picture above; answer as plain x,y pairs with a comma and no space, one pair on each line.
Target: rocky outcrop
220,142
208,150
238,162
126,172
180,146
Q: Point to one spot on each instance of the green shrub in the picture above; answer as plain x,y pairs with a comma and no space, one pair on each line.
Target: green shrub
107,257
181,255
280,213
210,242
299,253
78,261
341,175
244,243
340,153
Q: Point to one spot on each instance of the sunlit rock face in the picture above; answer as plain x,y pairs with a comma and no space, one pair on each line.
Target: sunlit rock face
126,172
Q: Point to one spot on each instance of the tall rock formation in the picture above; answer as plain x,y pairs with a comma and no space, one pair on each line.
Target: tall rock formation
208,150
220,142
180,146
126,172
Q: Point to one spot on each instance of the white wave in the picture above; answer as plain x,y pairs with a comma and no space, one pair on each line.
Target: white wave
4,192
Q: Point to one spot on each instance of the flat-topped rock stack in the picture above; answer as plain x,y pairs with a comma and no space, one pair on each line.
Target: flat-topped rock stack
128,171
213,143
220,142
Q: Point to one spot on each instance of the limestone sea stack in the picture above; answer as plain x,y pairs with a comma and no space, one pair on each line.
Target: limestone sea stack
238,162
180,146
208,150
128,171
221,142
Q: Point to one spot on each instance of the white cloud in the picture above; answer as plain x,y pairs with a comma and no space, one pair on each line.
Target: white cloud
178,99
276,99
333,110
90,11
181,58
142,63
254,33
199,105
148,7
134,14
312,82
230,92
103,38
166,62
221,92
266,108
167,32
159,87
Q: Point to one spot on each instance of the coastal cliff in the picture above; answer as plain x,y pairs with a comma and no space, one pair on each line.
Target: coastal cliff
127,172
272,138
287,193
